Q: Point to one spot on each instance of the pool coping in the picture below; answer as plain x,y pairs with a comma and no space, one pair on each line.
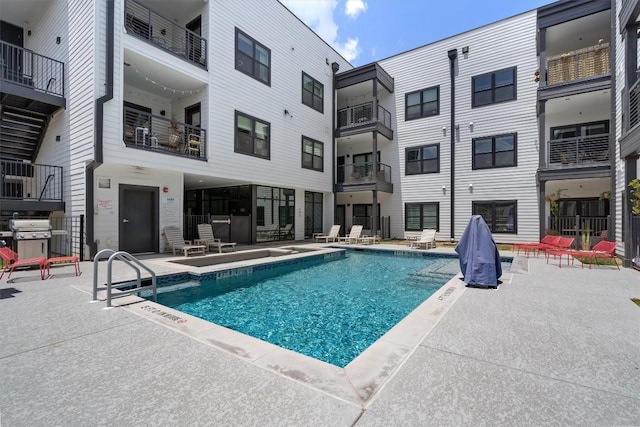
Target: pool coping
359,381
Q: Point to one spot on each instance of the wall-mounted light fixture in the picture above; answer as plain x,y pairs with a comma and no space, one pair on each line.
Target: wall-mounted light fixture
470,188
471,126
58,40
287,113
444,189
163,31
444,130
58,138
465,49
163,113
29,33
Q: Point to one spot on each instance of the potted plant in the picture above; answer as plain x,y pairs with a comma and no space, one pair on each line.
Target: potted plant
585,236
634,196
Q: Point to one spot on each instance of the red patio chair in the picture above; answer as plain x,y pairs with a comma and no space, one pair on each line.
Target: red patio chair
11,262
603,249
563,247
529,246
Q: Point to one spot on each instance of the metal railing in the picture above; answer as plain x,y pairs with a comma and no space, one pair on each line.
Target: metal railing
157,133
142,22
127,288
27,68
578,151
575,226
30,181
362,114
634,104
578,64
363,173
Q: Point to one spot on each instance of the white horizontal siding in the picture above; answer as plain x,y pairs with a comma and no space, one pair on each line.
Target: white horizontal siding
429,66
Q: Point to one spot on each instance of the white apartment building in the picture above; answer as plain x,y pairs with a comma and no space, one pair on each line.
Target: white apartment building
159,113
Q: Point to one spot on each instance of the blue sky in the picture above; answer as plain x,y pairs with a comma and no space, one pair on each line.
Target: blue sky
364,31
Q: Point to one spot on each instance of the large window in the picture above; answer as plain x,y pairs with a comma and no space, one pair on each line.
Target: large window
275,209
252,58
312,154
312,92
418,216
422,103
494,151
500,216
424,159
252,136
362,215
491,88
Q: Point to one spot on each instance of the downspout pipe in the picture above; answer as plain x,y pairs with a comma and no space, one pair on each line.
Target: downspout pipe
334,67
453,55
98,132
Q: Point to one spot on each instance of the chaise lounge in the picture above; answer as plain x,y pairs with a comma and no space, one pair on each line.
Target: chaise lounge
205,232
176,241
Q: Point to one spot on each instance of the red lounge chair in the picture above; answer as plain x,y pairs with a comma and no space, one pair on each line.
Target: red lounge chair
527,247
563,247
11,262
603,249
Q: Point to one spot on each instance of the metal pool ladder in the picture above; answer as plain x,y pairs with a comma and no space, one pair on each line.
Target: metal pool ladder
133,263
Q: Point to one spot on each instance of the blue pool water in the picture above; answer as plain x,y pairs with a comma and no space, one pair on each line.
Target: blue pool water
329,310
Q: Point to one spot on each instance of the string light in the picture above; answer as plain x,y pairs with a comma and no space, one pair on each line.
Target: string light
166,88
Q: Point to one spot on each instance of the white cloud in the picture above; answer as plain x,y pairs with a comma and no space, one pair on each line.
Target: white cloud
318,15
353,8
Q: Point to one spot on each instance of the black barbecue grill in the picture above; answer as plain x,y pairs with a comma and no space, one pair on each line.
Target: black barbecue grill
31,237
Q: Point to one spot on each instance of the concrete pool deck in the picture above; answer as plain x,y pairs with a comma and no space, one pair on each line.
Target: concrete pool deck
553,345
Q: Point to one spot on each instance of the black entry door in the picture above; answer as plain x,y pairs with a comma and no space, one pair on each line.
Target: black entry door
138,219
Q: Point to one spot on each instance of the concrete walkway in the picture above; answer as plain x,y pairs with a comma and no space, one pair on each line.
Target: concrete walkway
555,346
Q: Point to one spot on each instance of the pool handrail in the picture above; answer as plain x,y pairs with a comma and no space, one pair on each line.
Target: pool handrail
133,263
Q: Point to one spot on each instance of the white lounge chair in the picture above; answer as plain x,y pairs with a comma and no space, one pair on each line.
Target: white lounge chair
353,236
206,237
368,240
176,241
427,239
334,234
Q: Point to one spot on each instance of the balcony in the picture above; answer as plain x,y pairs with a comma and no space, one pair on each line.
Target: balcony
361,177
146,131
144,23
360,119
28,186
578,152
579,64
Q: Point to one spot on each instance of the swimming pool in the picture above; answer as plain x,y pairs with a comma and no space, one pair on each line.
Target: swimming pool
329,309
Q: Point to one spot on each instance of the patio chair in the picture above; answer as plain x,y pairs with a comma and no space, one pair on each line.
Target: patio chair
601,250
206,237
547,240
354,235
563,247
427,239
334,234
176,241
11,262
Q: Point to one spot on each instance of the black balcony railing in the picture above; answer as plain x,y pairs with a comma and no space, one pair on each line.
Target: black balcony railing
634,104
162,32
361,115
156,133
578,64
28,181
596,228
27,68
585,150
363,173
